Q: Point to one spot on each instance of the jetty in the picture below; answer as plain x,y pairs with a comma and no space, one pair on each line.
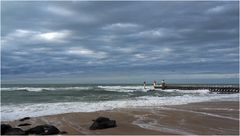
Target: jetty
211,88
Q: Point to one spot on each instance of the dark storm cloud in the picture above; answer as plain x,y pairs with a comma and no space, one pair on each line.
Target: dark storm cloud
124,39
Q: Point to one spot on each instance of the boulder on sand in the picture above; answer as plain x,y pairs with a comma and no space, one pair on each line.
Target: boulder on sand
5,128
102,123
14,131
43,130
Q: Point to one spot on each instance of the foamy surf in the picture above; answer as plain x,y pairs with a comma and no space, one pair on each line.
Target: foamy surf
39,89
187,91
16,111
125,88
96,88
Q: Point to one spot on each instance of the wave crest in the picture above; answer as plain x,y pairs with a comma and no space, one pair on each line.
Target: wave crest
39,89
124,88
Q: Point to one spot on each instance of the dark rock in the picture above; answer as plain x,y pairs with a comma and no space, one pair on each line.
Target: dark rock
14,131
101,119
43,130
26,118
5,128
24,124
102,123
63,132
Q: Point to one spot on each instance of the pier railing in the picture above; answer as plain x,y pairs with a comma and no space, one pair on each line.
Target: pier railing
211,88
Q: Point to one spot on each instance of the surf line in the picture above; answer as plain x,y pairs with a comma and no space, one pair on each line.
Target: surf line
146,122
203,113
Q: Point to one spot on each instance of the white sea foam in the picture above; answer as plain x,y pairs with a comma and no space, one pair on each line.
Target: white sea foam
125,88
106,88
201,91
39,89
11,112
141,88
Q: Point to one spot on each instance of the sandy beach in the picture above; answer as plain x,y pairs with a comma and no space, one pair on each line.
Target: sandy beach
212,118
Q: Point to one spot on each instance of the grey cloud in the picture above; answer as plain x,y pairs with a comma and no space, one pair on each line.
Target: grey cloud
19,36
48,39
120,26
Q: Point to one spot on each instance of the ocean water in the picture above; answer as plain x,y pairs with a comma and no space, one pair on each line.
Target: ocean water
19,101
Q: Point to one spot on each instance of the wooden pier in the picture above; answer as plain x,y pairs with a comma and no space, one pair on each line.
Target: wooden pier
211,88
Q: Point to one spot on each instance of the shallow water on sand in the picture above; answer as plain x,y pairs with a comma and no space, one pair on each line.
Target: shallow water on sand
193,118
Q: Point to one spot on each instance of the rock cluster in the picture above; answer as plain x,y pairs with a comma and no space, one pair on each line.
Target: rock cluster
99,123
38,130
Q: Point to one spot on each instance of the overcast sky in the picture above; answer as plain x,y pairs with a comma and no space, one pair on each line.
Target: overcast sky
119,42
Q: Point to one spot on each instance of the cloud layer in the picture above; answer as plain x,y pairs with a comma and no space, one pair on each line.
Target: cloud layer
91,42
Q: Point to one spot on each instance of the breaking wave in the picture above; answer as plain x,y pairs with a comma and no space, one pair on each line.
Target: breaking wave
39,89
16,111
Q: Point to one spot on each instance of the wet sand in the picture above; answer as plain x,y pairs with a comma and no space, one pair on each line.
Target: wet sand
211,118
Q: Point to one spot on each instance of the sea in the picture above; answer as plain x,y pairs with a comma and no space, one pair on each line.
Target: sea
22,100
